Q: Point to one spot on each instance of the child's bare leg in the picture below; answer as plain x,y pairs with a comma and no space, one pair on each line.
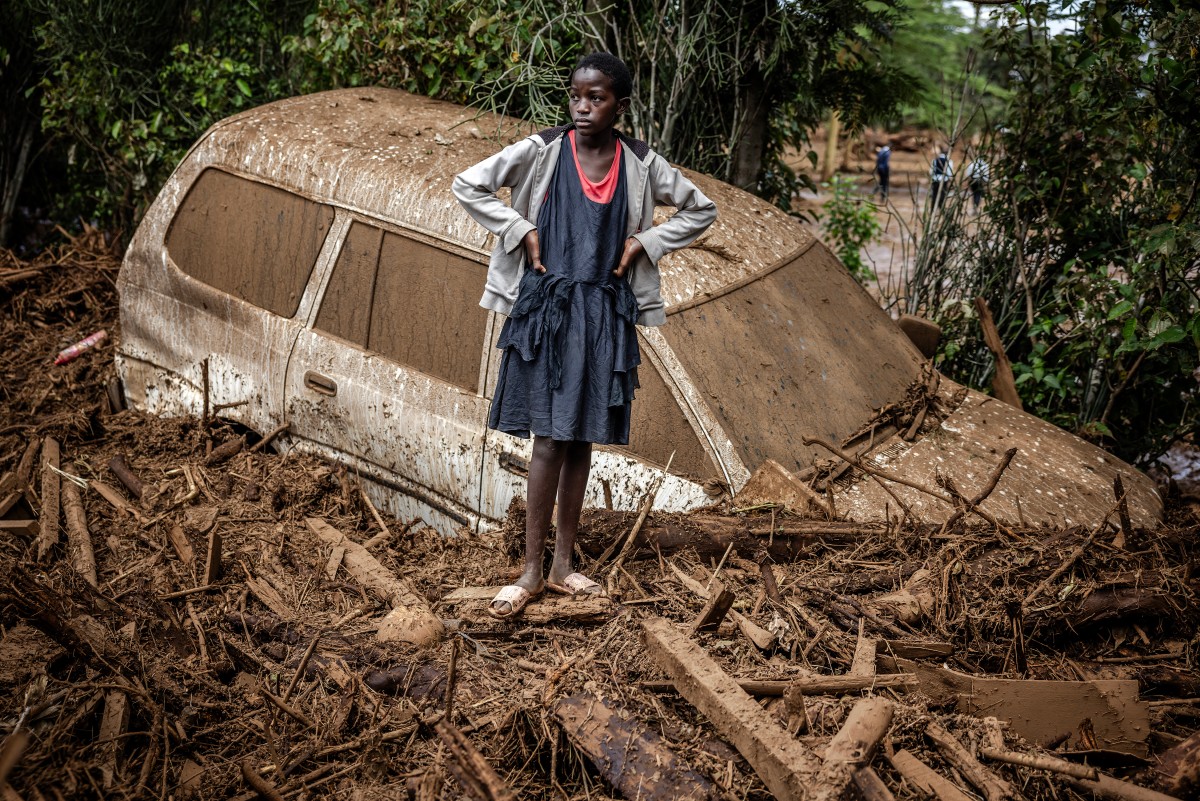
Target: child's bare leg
544,469
571,485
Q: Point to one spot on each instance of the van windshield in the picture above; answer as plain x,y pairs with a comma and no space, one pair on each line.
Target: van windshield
800,351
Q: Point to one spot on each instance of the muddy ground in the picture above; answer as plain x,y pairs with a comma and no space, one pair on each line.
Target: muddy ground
168,679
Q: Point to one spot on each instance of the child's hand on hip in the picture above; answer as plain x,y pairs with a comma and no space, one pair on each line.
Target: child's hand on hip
533,249
633,249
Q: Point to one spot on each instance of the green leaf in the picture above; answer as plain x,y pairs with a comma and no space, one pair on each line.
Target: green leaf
1120,310
243,87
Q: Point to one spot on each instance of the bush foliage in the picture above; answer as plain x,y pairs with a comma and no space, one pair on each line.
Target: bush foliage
1088,250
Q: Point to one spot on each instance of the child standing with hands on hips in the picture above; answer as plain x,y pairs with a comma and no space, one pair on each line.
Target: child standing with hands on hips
574,268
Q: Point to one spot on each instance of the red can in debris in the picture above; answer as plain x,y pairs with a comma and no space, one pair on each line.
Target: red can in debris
68,354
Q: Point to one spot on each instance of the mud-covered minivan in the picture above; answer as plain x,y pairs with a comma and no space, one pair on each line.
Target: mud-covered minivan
311,252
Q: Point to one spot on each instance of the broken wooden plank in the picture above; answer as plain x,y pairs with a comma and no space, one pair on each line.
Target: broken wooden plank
632,756
1040,710
864,655
853,746
26,527
212,564
870,786
925,778
335,561
720,600
786,766
112,728
79,538
48,516
183,548
411,619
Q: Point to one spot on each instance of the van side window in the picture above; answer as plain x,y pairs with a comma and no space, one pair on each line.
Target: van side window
659,428
409,302
253,241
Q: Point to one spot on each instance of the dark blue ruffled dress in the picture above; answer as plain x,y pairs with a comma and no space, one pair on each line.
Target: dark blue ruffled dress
569,367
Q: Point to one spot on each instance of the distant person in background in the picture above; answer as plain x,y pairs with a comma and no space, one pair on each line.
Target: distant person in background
940,173
978,175
883,169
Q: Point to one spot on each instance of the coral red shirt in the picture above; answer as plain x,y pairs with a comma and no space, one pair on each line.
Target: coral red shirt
602,191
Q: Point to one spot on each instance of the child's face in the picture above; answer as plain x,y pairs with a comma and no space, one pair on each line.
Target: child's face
594,105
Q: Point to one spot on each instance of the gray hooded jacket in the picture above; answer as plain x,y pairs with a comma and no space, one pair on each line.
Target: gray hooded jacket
527,166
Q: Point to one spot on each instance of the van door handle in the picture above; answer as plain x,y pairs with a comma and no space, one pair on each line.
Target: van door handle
514,464
320,384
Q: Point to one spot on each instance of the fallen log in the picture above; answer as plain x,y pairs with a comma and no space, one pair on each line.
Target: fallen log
853,747
633,757
411,619
786,767
711,535
471,603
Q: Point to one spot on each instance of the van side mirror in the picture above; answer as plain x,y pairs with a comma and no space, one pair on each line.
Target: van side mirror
924,334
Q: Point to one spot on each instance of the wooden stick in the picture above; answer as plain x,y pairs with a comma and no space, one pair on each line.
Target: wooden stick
264,788
271,435
385,533
312,646
451,678
48,518
809,685
212,565
992,786
1040,762
1064,567
11,751
289,709
83,556
982,495
1125,537
761,638
853,746
769,583
126,476
1108,787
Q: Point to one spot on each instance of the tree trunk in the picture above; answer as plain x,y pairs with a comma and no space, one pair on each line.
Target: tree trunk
833,131
753,117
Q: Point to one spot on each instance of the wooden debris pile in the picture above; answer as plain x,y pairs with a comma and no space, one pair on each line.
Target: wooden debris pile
187,614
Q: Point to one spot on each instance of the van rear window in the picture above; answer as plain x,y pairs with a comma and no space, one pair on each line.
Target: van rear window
800,351
253,241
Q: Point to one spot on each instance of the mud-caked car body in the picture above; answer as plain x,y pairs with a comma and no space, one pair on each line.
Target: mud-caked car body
312,253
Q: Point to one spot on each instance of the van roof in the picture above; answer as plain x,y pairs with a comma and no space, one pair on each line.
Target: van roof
393,155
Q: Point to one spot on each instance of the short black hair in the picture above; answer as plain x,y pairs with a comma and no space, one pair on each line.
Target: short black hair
613,67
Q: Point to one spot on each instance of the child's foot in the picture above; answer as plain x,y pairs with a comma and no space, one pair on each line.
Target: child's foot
574,584
512,598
